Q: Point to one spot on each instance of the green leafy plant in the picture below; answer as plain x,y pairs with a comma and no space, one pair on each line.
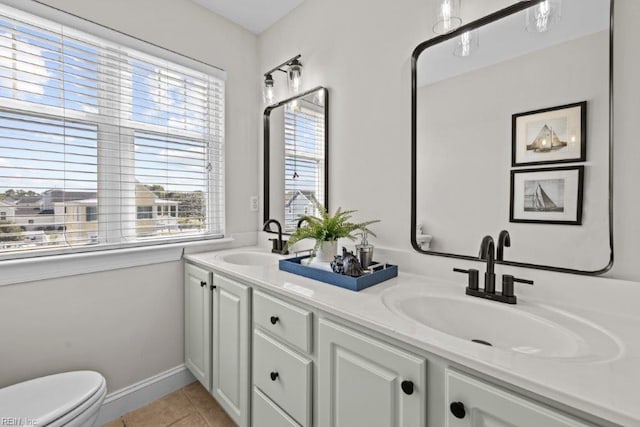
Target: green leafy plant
327,228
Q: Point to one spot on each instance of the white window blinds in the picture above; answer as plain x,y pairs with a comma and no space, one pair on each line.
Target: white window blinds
101,144
304,160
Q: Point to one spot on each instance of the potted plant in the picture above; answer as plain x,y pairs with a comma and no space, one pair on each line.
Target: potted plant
326,230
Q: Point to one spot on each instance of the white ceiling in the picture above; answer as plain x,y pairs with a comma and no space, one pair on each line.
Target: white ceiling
254,15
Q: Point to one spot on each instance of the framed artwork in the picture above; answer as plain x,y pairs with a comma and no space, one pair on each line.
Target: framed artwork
547,196
551,135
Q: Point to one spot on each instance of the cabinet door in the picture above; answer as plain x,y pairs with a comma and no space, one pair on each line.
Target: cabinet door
231,348
483,405
360,381
197,323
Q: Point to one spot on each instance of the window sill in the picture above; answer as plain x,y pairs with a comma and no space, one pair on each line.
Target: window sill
56,266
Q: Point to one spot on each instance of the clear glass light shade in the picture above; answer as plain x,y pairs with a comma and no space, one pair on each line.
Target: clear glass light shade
448,16
467,44
295,77
319,97
267,91
294,106
543,16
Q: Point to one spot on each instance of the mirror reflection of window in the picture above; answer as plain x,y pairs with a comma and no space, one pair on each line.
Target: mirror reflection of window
304,161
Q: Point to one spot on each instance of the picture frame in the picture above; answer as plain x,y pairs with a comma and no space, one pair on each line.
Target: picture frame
550,135
547,196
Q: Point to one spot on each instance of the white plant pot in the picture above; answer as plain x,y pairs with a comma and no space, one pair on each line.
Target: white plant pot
327,251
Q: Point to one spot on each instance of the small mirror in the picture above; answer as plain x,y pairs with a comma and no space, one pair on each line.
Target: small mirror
512,131
296,141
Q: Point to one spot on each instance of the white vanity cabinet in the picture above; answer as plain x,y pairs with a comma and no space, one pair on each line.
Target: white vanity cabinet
271,361
474,403
217,338
197,323
282,363
230,351
363,382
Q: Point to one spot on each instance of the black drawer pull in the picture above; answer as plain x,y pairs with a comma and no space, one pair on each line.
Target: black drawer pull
457,409
407,387
274,375
274,320
203,283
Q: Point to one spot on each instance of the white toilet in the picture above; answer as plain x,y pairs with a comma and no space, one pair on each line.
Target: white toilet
71,399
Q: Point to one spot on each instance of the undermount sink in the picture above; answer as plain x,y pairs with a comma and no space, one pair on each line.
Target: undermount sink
534,330
251,258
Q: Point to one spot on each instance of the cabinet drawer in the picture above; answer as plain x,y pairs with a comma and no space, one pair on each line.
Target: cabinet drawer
283,320
284,376
481,404
268,414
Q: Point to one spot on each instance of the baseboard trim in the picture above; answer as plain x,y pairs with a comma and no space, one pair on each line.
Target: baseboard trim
142,393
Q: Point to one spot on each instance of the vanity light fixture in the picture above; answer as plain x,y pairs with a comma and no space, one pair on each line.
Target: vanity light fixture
467,44
541,17
293,69
295,76
268,94
447,16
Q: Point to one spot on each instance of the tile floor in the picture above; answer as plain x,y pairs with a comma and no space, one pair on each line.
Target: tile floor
191,406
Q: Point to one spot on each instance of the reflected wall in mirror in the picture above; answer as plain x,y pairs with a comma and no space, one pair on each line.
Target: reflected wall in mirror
517,100
296,142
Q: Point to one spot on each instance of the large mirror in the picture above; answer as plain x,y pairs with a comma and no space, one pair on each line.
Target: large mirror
296,143
511,130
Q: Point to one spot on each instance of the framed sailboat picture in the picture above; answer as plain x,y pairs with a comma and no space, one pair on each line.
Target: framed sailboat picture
547,196
551,135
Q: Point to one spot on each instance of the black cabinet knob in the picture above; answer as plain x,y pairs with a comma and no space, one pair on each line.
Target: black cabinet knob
457,409
274,319
203,284
274,375
407,387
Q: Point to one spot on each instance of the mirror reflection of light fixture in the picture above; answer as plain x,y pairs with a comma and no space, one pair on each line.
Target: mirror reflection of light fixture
293,69
541,17
319,98
467,44
447,16
267,91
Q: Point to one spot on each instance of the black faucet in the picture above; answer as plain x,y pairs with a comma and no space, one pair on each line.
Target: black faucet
504,241
278,244
300,221
487,253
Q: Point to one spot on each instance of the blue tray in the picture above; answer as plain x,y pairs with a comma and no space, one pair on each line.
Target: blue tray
292,265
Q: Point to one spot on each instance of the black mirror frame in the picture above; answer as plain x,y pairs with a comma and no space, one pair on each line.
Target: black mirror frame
267,148
518,7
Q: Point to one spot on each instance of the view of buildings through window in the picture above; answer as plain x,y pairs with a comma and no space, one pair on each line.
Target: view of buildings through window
101,144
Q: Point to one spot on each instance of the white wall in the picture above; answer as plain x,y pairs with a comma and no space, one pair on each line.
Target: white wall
464,152
128,324
361,51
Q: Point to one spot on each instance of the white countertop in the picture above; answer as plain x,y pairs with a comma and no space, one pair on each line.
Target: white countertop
607,389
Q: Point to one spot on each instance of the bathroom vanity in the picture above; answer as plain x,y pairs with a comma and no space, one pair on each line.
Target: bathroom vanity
399,353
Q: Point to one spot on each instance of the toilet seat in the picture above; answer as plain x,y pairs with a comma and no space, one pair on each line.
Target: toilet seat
54,400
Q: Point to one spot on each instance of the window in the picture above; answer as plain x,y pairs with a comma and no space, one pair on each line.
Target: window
91,213
77,110
3,216
304,141
145,212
